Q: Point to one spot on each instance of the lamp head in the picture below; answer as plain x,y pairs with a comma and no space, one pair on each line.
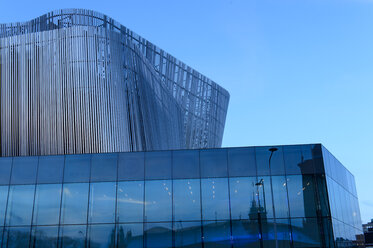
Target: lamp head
273,149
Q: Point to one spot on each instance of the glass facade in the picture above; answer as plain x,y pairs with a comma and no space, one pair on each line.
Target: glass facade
234,197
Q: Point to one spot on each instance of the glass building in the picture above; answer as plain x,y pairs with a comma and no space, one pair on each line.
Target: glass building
282,196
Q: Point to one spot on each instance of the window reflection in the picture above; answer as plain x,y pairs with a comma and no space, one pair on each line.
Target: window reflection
131,166
245,234
185,164
158,235
241,162
263,162
3,200
20,202
215,200
5,168
77,168
243,193
130,203
214,163
188,234
72,236
187,200
102,202
74,203
47,204
130,235
50,169
158,200
158,165
16,237
104,167
24,170
44,236
305,232
101,236
216,234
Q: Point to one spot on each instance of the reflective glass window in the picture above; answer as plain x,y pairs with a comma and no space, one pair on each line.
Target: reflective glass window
187,204
77,168
130,202
47,204
301,191
158,200
265,207
216,234
131,166
215,200
104,167
185,164
280,197
5,168
44,236
317,158
158,165
101,236
298,160
267,164
241,162
74,203
273,230
1,235
72,236
102,202
50,169
306,232
20,202
3,200
323,195
158,235
188,234
24,170
245,234
243,193
283,233
130,235
214,163
15,237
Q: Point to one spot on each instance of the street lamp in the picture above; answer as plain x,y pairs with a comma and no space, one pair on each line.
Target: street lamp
272,150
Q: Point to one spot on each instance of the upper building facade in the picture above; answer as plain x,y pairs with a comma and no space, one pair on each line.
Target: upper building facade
76,81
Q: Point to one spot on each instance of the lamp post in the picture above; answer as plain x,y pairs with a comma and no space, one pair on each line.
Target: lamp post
272,150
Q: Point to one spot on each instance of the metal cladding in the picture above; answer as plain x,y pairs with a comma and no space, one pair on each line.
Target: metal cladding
75,81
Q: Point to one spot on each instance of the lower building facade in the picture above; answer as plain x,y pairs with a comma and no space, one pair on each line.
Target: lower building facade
278,196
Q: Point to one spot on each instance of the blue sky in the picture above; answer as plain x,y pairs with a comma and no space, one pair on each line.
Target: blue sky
297,71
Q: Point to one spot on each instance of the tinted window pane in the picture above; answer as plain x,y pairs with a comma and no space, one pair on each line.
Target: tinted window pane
298,160
215,200
216,234
301,196
50,169
280,197
306,232
44,236
104,167
188,234
264,197
264,161
283,233
74,203
243,193
187,200
214,163
185,164
130,235
72,236
3,199
158,198
158,165
130,201
131,166
47,204
16,237
77,168
241,162
317,158
245,234
275,230
5,168
101,236
158,235
102,202
24,170
21,199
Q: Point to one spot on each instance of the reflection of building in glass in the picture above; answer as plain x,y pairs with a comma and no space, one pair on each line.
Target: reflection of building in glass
368,234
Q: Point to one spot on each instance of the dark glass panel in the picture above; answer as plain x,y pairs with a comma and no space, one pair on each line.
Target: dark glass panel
214,163
188,234
301,191
24,170
187,205
280,197
216,234
5,169
16,237
241,162
47,204
1,235
102,202
243,193
158,165
44,237
74,203
50,169
328,233
317,157
158,235
130,202
158,198
130,235
245,234
72,236
131,166
104,167
306,232
185,164
20,202
215,200
101,236
264,161
323,195
282,227
3,200
264,197
77,168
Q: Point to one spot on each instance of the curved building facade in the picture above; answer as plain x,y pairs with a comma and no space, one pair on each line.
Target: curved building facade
76,81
